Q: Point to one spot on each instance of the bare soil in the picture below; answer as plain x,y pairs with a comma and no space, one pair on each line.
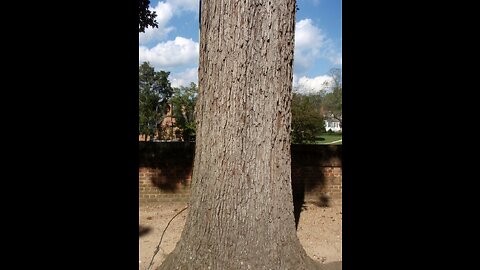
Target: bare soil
319,231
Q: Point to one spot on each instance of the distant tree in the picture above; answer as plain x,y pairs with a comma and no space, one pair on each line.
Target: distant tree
154,93
146,17
333,100
183,101
307,118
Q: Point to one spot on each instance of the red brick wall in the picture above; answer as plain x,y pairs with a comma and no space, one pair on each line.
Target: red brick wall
165,172
317,173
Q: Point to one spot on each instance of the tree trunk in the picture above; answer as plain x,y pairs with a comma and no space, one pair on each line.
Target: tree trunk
241,208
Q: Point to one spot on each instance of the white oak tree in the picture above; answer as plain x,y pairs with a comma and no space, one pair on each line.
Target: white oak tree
241,208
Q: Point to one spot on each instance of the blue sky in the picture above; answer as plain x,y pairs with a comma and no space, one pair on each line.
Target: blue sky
174,45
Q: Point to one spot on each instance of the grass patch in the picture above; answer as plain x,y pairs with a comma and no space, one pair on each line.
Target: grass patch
329,138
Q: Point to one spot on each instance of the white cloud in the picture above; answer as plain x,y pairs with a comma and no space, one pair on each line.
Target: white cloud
312,44
330,52
308,36
295,81
164,14
306,85
308,41
170,54
184,78
165,11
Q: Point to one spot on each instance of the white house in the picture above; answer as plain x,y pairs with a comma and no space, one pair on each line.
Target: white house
333,125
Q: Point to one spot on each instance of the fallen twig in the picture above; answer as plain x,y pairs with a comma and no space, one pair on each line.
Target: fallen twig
158,246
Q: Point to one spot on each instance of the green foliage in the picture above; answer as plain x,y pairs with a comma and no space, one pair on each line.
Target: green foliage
154,92
183,102
146,17
307,119
333,100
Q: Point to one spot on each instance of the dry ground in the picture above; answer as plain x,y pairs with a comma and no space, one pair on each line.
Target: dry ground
319,231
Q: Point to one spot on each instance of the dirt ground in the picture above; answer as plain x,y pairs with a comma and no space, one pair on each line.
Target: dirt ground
319,231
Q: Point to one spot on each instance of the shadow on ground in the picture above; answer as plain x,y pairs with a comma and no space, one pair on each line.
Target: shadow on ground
308,162
143,230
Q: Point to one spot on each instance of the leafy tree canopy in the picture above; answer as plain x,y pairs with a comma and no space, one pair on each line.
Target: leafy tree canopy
333,99
183,101
146,17
154,92
307,117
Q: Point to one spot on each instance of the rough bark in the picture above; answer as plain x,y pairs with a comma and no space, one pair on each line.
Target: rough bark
241,208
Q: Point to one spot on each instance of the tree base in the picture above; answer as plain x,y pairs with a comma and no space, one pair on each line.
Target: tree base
294,260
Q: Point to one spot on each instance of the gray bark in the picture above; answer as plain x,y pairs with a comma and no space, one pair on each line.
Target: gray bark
241,208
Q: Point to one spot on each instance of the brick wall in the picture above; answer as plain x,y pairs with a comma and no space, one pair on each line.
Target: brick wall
317,173
165,172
